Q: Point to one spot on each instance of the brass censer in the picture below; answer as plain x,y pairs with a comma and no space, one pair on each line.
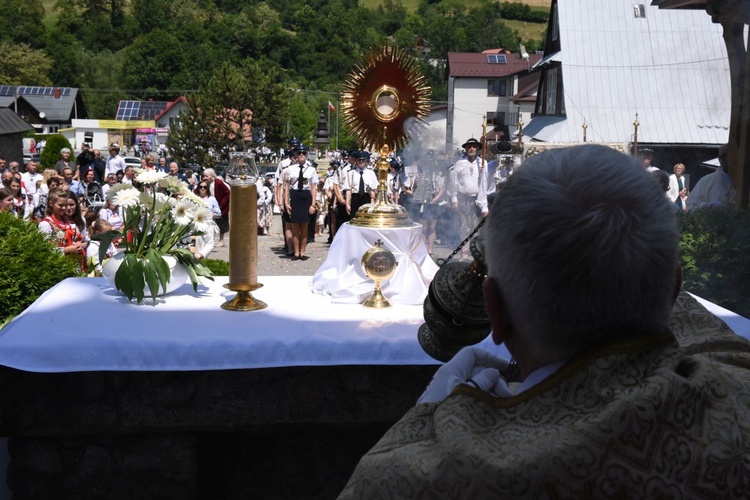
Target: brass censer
384,90
454,311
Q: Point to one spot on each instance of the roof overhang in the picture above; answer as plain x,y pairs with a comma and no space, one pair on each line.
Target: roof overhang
680,4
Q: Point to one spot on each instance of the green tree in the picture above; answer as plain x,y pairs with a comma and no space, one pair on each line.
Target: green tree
23,65
234,102
97,24
153,60
103,76
21,22
63,49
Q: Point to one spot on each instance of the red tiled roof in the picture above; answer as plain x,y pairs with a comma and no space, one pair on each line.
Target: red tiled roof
463,64
170,106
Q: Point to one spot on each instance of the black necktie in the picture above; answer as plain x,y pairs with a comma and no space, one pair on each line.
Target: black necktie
301,177
361,182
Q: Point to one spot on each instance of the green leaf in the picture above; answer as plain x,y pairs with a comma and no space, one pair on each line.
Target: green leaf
161,267
106,240
122,277
194,267
137,278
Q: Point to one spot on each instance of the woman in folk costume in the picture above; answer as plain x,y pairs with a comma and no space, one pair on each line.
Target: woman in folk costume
60,228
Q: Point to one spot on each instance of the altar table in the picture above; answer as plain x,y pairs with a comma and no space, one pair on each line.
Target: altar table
83,324
108,399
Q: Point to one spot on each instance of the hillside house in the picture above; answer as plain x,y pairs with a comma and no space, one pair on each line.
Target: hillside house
607,62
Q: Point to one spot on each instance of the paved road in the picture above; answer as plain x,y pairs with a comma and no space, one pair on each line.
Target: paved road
272,259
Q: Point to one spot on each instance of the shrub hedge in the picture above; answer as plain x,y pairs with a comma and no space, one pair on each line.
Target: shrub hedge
715,253
30,265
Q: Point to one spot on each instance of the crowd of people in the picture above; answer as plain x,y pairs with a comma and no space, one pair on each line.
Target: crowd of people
69,201
448,196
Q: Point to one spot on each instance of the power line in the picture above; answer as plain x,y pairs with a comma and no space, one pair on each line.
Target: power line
137,91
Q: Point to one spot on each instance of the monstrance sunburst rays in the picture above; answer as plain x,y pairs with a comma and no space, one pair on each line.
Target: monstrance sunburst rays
384,89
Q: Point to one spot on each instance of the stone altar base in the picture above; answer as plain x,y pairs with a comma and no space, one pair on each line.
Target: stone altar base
293,432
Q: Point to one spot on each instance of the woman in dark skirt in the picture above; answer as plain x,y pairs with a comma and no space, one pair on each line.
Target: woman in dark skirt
301,181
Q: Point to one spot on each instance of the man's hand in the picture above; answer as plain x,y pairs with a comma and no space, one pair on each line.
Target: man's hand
472,365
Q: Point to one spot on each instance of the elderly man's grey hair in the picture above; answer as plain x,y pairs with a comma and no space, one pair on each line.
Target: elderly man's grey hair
583,246
65,150
209,171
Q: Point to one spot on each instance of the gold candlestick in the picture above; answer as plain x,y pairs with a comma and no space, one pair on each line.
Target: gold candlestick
243,241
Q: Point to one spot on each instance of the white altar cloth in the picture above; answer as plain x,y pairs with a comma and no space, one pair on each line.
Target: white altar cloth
82,324
341,275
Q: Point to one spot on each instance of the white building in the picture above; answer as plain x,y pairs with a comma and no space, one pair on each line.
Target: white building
495,85
607,60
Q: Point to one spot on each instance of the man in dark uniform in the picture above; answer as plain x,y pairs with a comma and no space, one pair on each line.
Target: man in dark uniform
286,232
339,190
361,182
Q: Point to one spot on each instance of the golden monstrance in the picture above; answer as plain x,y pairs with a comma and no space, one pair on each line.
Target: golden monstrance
382,92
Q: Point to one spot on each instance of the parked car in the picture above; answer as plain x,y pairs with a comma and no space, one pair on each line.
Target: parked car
133,161
29,157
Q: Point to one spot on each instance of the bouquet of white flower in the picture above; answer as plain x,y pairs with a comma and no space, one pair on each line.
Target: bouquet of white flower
155,220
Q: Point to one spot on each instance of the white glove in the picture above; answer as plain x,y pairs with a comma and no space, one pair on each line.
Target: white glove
471,365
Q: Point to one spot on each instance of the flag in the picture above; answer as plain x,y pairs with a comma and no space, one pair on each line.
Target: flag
330,106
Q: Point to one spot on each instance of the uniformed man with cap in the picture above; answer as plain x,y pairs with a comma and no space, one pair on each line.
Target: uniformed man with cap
329,191
501,168
647,157
469,186
280,193
361,183
339,192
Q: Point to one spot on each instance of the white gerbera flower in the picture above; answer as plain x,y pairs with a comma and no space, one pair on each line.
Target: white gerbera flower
183,212
147,200
127,198
194,198
116,189
150,177
174,185
204,219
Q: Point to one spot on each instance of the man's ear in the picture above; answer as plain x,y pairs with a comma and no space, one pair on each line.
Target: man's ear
495,305
677,283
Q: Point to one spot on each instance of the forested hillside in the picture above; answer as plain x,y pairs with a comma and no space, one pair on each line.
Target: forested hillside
161,49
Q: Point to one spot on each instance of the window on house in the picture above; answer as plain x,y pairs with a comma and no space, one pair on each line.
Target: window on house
554,22
550,87
639,10
496,59
496,87
495,120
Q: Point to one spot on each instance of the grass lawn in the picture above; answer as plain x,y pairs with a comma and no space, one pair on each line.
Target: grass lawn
528,31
